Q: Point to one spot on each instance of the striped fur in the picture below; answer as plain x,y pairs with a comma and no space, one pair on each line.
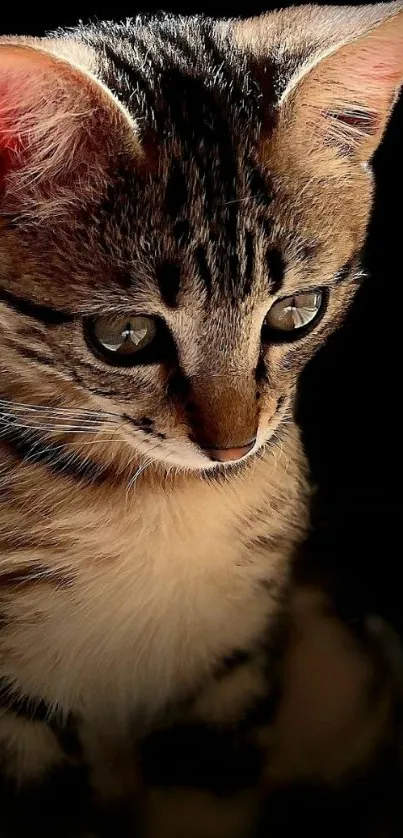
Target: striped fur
140,582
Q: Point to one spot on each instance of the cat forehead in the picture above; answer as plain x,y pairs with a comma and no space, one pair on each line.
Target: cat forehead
199,185
169,238
214,214
202,112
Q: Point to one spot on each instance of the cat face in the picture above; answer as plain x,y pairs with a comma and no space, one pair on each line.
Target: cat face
182,222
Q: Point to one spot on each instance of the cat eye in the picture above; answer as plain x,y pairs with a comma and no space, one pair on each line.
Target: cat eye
124,340
294,314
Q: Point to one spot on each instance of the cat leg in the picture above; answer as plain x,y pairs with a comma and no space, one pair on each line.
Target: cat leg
29,750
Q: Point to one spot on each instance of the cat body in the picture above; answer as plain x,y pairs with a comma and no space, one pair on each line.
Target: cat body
133,652
184,204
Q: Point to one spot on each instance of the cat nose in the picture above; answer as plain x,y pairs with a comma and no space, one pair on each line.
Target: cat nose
227,455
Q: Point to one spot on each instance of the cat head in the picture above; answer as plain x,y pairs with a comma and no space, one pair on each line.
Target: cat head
183,204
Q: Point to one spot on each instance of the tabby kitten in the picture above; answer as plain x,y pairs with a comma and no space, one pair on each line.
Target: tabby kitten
183,207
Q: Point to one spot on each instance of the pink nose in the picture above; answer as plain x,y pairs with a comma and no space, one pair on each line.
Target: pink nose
226,455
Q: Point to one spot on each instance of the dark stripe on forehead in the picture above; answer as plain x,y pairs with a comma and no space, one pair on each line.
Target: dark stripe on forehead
168,278
186,125
234,273
124,76
241,86
259,187
214,54
181,231
200,118
175,46
249,260
276,268
176,195
203,269
117,60
43,314
34,448
267,226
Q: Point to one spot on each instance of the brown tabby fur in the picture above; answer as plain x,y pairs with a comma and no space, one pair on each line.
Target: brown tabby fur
123,589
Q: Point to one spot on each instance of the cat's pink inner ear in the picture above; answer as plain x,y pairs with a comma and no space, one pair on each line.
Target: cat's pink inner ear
36,104
13,90
346,99
59,130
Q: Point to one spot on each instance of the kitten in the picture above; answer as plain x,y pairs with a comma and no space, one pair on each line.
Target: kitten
183,207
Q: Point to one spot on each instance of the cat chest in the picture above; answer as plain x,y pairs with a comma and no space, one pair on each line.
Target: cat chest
149,613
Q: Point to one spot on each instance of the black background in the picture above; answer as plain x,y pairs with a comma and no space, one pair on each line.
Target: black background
350,392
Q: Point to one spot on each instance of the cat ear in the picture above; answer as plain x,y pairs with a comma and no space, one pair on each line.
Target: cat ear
345,100
60,130
336,73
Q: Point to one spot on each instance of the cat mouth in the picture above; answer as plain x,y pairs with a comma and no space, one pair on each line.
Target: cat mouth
189,455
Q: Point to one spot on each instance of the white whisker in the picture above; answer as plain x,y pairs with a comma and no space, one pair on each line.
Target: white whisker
15,423
85,414
137,474
247,200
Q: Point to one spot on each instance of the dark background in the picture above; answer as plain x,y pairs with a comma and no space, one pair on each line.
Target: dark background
350,393
39,17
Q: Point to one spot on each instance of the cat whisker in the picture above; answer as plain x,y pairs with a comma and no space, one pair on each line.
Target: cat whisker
63,411
137,473
101,441
248,199
12,422
47,417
